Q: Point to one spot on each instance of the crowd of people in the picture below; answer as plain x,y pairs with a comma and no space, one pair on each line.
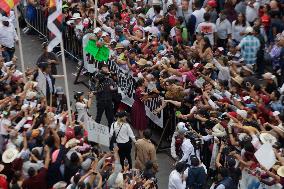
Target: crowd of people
218,64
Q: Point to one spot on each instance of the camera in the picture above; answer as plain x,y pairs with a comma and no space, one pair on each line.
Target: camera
194,138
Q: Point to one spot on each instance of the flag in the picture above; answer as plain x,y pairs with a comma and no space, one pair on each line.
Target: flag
54,23
99,53
7,5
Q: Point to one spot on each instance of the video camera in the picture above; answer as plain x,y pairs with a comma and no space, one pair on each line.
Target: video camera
194,138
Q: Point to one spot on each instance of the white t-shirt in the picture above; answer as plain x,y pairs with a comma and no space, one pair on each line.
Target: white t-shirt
208,29
237,29
224,28
199,14
252,12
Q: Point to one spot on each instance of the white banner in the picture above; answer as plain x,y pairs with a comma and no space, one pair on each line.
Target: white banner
126,85
96,132
41,85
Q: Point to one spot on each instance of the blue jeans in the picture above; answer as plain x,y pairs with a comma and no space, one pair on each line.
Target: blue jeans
8,54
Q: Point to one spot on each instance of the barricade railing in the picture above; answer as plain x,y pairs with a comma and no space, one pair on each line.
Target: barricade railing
72,44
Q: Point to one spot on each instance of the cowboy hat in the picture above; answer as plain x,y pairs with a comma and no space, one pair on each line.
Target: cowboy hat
59,185
76,16
119,46
248,30
142,62
238,79
72,143
9,155
268,75
96,30
280,171
209,66
267,138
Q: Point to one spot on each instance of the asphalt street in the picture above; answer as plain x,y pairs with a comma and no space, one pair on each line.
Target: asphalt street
31,51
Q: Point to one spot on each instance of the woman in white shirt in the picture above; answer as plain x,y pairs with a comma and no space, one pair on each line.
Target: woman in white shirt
82,105
123,132
238,28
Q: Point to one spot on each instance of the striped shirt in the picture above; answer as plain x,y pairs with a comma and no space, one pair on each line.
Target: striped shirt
249,46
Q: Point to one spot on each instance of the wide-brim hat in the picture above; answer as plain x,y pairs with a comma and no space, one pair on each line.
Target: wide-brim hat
280,171
209,66
248,30
268,75
119,46
76,16
72,143
238,79
10,155
59,185
267,138
142,62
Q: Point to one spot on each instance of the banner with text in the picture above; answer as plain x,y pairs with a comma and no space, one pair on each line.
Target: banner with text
96,132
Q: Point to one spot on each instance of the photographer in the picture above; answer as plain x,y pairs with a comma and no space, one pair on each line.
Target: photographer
105,88
82,105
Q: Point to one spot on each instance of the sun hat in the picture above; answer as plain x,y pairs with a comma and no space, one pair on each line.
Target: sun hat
248,68
59,185
119,46
268,75
97,30
267,138
238,79
209,66
75,16
156,2
72,143
242,113
142,62
280,171
10,155
248,30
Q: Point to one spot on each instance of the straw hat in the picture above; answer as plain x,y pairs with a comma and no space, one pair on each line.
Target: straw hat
60,185
72,143
209,66
76,16
267,138
142,62
248,30
238,79
280,171
9,155
268,75
119,46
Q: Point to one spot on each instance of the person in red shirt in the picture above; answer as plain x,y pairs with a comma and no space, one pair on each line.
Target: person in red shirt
3,179
38,179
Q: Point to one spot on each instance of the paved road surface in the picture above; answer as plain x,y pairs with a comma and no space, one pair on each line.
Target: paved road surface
32,50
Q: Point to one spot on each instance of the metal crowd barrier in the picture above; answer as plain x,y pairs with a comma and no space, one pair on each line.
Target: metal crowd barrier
72,45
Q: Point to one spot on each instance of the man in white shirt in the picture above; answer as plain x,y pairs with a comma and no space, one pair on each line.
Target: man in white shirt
185,10
176,178
8,38
224,30
187,150
252,11
207,28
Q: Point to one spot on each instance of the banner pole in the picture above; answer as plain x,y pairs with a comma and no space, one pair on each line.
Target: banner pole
66,82
96,13
20,43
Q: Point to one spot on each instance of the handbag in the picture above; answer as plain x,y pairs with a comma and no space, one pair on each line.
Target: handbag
113,138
